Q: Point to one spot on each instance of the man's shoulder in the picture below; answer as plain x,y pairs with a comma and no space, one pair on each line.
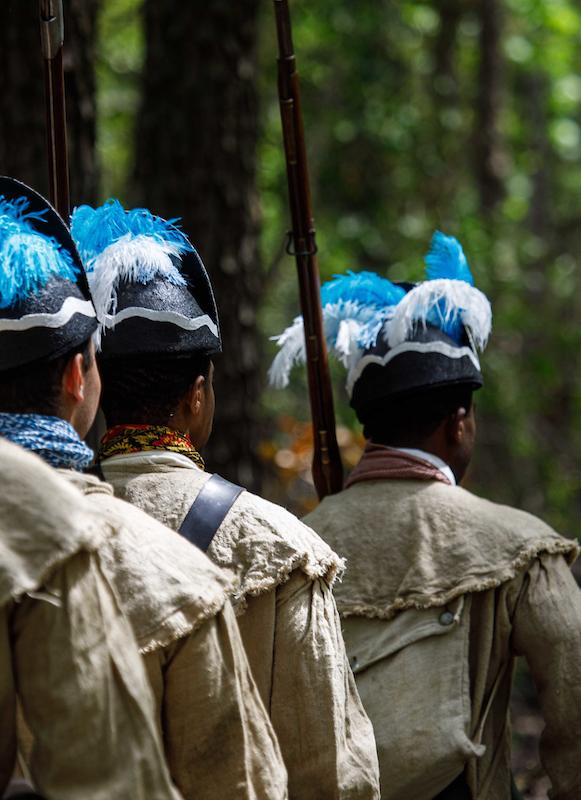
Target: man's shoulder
265,543
167,586
255,512
43,521
147,536
416,544
437,502
258,540
460,502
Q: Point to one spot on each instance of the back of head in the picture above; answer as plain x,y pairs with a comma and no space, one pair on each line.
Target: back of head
147,390
410,420
36,388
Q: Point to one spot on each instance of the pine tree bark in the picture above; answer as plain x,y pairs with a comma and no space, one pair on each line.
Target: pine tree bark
22,105
196,139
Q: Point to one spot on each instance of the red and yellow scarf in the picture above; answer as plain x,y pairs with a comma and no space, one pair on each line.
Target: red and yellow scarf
123,439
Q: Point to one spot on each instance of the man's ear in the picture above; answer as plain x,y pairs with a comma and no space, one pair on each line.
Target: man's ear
73,383
456,426
196,395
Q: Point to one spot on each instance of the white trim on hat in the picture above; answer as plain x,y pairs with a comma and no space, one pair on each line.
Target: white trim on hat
442,348
70,307
187,323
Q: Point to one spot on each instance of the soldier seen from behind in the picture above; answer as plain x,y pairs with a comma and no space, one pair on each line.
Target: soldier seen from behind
218,739
160,333
443,589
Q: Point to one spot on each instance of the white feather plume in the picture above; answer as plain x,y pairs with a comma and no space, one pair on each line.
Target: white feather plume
450,297
131,259
349,328
292,351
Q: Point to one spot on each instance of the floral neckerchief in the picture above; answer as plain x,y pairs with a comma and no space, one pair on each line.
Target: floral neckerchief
123,439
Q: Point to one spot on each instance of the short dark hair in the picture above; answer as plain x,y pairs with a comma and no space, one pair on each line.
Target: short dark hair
147,390
35,388
409,420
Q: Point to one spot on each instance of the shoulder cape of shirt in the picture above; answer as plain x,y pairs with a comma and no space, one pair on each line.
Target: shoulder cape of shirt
167,587
420,544
259,541
43,521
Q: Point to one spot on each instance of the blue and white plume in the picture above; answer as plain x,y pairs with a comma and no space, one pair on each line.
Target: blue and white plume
356,306
447,299
119,246
359,308
28,259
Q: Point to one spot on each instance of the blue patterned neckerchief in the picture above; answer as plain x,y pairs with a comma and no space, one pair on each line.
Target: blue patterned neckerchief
52,438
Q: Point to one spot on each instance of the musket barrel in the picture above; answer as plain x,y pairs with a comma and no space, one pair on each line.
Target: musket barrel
52,29
52,40
284,29
327,468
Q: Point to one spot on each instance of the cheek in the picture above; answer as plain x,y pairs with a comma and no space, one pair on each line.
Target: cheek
97,383
94,385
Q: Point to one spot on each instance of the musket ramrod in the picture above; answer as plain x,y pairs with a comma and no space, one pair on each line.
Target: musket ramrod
327,467
52,39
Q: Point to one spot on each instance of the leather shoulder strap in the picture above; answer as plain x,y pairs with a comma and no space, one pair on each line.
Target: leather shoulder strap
208,510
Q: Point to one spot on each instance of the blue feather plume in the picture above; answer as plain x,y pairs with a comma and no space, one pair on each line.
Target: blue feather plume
94,229
355,308
365,288
28,258
446,259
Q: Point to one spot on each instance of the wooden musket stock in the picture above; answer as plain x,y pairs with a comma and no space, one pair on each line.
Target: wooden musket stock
327,467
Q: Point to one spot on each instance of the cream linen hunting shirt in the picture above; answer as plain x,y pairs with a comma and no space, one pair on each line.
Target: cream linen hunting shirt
218,739
288,620
428,564
66,652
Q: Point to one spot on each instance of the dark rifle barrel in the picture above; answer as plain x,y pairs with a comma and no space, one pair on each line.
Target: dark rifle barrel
52,37
327,467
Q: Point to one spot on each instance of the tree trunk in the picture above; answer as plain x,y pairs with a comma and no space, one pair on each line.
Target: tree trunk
535,94
441,181
22,107
79,62
196,139
488,147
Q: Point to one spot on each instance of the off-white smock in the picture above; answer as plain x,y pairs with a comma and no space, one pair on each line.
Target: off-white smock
288,620
66,651
442,591
218,738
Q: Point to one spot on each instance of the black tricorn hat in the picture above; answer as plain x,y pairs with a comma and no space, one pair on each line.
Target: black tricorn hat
399,339
429,359
45,304
149,285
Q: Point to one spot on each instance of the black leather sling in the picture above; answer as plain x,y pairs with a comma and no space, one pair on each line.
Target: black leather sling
208,510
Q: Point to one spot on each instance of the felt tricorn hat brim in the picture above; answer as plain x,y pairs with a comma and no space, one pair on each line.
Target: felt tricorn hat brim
58,317
429,360
161,318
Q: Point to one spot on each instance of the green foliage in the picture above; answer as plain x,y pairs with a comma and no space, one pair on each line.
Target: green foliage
120,57
392,95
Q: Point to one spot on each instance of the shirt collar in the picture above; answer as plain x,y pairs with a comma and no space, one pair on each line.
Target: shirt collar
436,461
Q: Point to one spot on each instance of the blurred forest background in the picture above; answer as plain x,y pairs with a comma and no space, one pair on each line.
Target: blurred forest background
463,115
